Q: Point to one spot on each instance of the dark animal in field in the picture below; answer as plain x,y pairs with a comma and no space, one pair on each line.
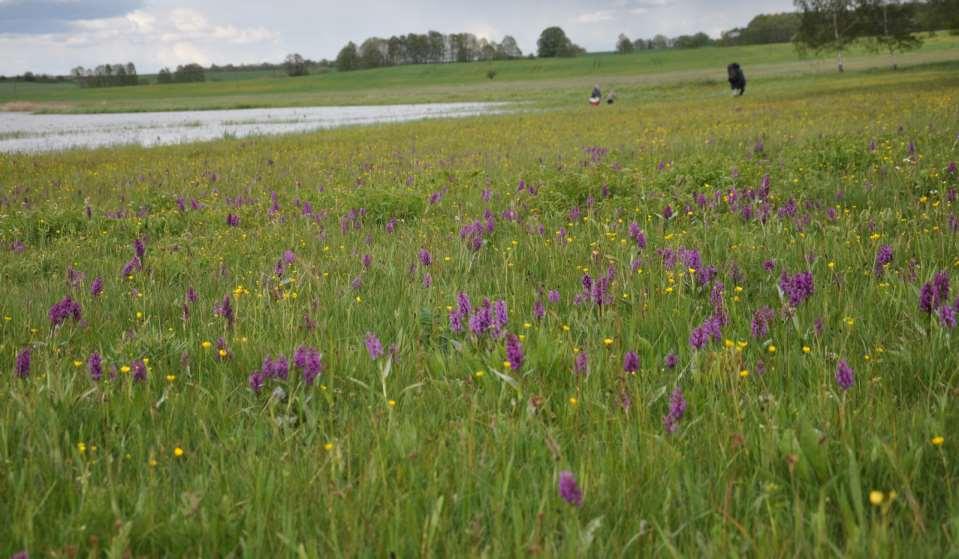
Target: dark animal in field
737,80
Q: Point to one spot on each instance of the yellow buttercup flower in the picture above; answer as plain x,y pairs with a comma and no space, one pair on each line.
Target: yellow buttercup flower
937,440
178,452
876,498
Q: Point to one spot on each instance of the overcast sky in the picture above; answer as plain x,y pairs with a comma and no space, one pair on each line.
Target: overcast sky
53,36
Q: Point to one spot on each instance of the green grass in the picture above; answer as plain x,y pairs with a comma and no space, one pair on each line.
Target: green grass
466,464
548,82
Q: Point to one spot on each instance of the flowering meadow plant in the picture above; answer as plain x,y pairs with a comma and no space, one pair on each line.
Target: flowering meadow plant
688,326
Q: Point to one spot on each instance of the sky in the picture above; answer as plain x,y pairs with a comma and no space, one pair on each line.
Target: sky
53,36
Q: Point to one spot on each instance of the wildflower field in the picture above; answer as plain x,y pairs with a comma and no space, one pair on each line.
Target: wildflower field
700,326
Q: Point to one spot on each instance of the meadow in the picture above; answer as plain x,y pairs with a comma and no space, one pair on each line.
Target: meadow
688,325
539,82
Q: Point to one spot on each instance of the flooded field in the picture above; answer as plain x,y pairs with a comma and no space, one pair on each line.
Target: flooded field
24,132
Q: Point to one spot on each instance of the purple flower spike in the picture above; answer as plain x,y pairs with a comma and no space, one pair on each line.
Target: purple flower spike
500,316
63,310
256,381
631,362
514,352
95,366
456,321
22,366
225,309
637,235
96,288
139,370
310,363
677,409
845,378
539,310
133,265
581,364
671,361
883,258
947,317
797,288
569,490
934,293
425,257
760,323
373,346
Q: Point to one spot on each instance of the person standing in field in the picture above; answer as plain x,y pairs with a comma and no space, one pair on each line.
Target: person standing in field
737,80
596,96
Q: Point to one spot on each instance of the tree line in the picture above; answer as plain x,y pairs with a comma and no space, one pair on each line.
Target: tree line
106,75
431,47
875,22
817,25
186,73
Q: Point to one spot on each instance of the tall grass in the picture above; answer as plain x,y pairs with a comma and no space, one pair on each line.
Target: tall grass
437,448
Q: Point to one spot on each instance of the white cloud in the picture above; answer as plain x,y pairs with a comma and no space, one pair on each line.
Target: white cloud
152,39
595,17
483,31
182,53
142,21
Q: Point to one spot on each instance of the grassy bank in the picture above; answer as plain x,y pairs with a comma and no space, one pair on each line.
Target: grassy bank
447,444
549,82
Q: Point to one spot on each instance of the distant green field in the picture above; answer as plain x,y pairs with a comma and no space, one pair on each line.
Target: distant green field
548,82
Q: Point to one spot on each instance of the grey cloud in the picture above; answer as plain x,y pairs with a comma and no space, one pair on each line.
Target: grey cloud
54,16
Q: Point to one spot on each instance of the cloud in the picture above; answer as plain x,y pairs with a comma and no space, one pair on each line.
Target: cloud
190,24
644,5
182,53
594,17
483,31
53,16
151,39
